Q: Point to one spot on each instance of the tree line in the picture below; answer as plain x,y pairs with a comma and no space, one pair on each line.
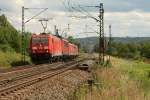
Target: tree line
132,50
10,38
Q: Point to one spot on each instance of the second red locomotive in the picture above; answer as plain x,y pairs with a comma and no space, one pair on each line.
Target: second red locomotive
50,47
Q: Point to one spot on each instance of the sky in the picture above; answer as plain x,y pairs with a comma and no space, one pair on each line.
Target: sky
127,17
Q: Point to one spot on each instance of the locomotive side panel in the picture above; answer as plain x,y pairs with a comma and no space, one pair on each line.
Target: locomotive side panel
71,49
57,49
50,45
65,47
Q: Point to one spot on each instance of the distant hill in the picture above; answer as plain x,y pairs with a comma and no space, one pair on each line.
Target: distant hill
131,39
90,42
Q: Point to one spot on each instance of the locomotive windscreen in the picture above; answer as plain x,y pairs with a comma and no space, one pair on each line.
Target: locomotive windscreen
39,40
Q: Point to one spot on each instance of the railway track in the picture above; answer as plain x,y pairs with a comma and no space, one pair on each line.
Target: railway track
40,77
12,76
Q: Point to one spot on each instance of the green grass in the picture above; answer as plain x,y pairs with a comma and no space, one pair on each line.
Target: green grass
136,70
9,59
125,80
80,92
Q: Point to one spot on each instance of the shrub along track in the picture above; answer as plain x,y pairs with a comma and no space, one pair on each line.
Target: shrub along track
33,79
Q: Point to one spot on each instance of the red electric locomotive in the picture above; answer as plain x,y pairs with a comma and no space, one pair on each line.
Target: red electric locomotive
65,48
45,46
73,50
50,47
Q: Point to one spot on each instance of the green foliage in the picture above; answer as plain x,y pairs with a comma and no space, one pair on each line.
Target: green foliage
27,40
8,59
9,37
80,93
129,50
136,70
96,48
6,47
10,44
72,40
105,64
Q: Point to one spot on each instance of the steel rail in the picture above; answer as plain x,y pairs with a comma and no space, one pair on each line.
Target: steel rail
64,68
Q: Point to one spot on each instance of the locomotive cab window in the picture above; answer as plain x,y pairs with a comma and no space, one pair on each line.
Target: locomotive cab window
44,40
39,40
35,40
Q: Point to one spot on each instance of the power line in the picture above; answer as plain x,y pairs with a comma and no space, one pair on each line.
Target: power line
101,28
23,49
88,14
93,30
44,9
34,8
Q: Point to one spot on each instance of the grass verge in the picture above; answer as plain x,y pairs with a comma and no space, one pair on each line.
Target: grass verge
9,59
125,80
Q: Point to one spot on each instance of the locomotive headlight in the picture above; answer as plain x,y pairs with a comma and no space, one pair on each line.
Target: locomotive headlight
45,47
34,48
47,51
33,51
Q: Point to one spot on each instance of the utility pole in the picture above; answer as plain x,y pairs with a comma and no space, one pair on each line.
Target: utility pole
23,38
110,40
55,27
67,30
86,26
101,30
110,35
56,30
101,34
68,27
23,42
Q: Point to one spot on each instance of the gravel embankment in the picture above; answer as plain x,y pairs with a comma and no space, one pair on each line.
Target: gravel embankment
56,88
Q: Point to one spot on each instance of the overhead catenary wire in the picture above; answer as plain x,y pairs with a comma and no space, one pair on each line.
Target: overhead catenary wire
88,14
35,15
23,49
93,30
83,13
101,27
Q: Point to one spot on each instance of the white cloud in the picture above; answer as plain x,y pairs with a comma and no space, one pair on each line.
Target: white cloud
126,21
129,23
19,2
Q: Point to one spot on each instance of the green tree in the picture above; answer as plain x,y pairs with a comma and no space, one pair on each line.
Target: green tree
72,40
9,36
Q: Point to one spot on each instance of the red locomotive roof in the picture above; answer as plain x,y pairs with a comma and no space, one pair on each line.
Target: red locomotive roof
65,40
41,35
51,35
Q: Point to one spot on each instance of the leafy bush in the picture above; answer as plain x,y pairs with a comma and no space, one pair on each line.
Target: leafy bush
8,59
9,36
6,47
